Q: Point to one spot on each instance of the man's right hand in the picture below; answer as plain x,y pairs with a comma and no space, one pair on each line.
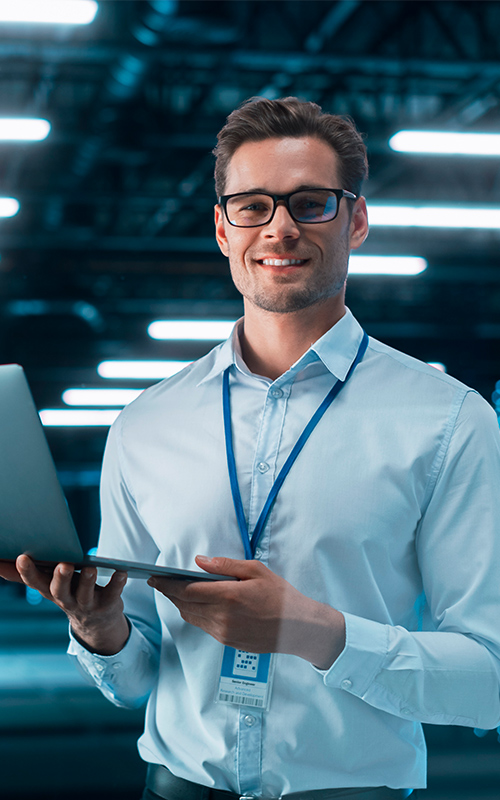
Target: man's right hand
95,612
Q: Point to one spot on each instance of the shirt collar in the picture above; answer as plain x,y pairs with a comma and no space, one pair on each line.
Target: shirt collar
337,349
226,355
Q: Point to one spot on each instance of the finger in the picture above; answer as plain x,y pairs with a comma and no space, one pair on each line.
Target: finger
32,576
168,586
188,592
84,592
8,571
114,587
60,586
236,568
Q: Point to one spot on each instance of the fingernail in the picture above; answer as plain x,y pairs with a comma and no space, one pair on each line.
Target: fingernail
204,559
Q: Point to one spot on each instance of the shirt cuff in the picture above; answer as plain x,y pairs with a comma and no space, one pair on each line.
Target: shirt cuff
102,668
362,658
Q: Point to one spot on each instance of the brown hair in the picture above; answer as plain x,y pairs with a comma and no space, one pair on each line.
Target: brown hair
259,118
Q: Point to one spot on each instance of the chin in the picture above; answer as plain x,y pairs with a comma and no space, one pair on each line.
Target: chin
289,303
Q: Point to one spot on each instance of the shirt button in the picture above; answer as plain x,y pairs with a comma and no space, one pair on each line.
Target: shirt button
406,711
99,667
249,720
258,553
346,684
263,467
117,664
276,393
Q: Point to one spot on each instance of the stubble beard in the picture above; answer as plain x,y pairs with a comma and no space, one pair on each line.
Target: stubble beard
285,298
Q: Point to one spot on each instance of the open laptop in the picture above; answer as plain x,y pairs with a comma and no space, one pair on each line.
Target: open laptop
34,514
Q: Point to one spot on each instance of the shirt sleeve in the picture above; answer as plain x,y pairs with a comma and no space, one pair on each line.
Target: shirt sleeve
128,677
124,678
449,674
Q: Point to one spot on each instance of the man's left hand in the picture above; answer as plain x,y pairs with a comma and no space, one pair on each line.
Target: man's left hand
260,612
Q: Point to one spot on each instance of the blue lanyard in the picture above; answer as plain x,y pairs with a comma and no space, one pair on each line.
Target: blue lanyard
250,543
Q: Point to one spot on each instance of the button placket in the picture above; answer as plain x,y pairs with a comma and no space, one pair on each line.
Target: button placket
249,749
266,453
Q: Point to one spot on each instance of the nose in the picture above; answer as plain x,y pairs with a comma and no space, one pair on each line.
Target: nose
282,226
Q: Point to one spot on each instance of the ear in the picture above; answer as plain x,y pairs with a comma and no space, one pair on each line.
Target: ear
220,232
359,224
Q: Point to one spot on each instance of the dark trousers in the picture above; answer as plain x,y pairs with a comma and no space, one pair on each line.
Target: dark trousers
147,795
162,785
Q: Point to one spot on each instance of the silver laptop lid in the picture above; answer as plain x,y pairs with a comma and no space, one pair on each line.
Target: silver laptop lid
34,515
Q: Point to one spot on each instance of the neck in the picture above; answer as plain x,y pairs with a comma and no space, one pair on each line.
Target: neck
271,343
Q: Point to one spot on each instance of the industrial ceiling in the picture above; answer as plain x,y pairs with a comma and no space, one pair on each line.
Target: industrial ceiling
115,227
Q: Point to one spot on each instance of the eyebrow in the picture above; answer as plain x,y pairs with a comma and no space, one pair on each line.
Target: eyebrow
304,187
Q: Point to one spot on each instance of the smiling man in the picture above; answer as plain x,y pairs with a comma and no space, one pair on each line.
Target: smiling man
350,490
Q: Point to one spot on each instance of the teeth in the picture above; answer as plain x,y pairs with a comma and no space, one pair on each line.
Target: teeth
282,262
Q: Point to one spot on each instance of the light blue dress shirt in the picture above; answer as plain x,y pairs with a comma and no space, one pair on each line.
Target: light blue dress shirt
390,514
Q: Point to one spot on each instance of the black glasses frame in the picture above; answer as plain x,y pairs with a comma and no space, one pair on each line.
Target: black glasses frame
339,193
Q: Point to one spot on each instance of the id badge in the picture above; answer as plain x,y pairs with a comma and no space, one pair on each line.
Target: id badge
245,678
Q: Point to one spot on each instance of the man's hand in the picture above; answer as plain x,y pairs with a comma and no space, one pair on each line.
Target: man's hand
95,612
259,613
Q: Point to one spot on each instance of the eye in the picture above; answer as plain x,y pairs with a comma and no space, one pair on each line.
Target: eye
253,207
309,203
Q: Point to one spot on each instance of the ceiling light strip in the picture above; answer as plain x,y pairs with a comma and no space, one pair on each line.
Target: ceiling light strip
446,143
420,216
140,370
58,12
100,397
77,418
386,265
23,129
212,330
9,206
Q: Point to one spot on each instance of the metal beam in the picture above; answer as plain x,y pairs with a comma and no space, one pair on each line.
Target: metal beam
85,242
247,60
333,20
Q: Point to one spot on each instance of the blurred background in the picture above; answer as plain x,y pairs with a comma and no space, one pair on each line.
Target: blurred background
108,114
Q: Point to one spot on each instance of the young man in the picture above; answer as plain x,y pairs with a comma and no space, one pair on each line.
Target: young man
373,579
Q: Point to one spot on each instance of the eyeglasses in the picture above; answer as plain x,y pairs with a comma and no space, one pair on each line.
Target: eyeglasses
308,206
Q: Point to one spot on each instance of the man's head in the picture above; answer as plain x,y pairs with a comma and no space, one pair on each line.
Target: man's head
295,256
259,119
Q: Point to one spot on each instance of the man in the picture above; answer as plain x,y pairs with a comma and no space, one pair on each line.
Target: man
374,582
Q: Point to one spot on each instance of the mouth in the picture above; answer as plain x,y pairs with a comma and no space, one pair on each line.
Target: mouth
282,262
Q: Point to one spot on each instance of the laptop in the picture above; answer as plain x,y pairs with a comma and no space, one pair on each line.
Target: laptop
34,514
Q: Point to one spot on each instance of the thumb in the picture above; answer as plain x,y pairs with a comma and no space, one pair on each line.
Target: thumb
227,566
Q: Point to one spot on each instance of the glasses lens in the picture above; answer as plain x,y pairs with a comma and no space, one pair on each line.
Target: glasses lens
317,205
247,210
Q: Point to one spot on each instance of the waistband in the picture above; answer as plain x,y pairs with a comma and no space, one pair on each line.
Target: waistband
166,785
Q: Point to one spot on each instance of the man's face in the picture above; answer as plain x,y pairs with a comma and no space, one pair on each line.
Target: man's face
258,256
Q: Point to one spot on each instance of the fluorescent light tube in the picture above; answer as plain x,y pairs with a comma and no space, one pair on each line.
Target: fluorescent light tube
386,265
9,206
81,417
446,143
210,330
23,129
419,216
141,370
100,397
437,365
59,12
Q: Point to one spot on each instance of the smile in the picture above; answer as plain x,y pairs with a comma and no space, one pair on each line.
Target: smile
283,262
